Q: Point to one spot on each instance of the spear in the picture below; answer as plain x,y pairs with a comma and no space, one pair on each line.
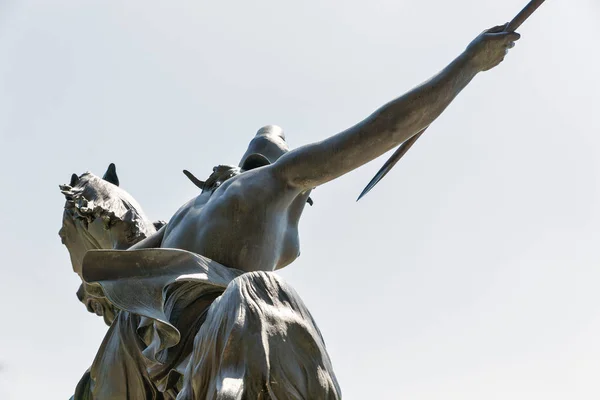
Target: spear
404,147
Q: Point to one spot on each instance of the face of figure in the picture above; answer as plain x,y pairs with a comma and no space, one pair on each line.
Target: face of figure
267,146
100,215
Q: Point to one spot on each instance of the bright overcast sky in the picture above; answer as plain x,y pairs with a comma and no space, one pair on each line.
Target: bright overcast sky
470,272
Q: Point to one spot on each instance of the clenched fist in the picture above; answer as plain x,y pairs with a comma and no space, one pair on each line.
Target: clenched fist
490,47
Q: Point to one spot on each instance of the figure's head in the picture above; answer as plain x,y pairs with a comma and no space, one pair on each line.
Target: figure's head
265,148
99,214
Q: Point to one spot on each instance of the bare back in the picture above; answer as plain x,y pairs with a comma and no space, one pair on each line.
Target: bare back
249,223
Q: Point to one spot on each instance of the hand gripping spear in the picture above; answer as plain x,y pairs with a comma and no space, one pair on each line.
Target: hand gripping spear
404,147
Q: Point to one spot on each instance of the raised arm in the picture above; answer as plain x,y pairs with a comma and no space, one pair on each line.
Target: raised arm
317,163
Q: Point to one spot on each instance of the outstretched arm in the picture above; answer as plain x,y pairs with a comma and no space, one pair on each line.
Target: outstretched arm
314,164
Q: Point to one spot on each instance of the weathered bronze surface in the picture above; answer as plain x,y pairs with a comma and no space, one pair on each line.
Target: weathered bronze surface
512,26
194,307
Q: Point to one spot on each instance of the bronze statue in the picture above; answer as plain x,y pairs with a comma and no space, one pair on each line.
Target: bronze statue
194,308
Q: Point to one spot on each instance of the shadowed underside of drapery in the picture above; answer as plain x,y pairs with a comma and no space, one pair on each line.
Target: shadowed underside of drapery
193,329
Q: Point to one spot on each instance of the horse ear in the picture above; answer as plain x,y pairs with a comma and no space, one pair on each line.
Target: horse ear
74,180
111,175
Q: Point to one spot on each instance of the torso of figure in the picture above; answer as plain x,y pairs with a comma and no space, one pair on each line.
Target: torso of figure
250,222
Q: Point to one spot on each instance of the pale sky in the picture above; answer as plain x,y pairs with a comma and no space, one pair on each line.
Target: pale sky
470,272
